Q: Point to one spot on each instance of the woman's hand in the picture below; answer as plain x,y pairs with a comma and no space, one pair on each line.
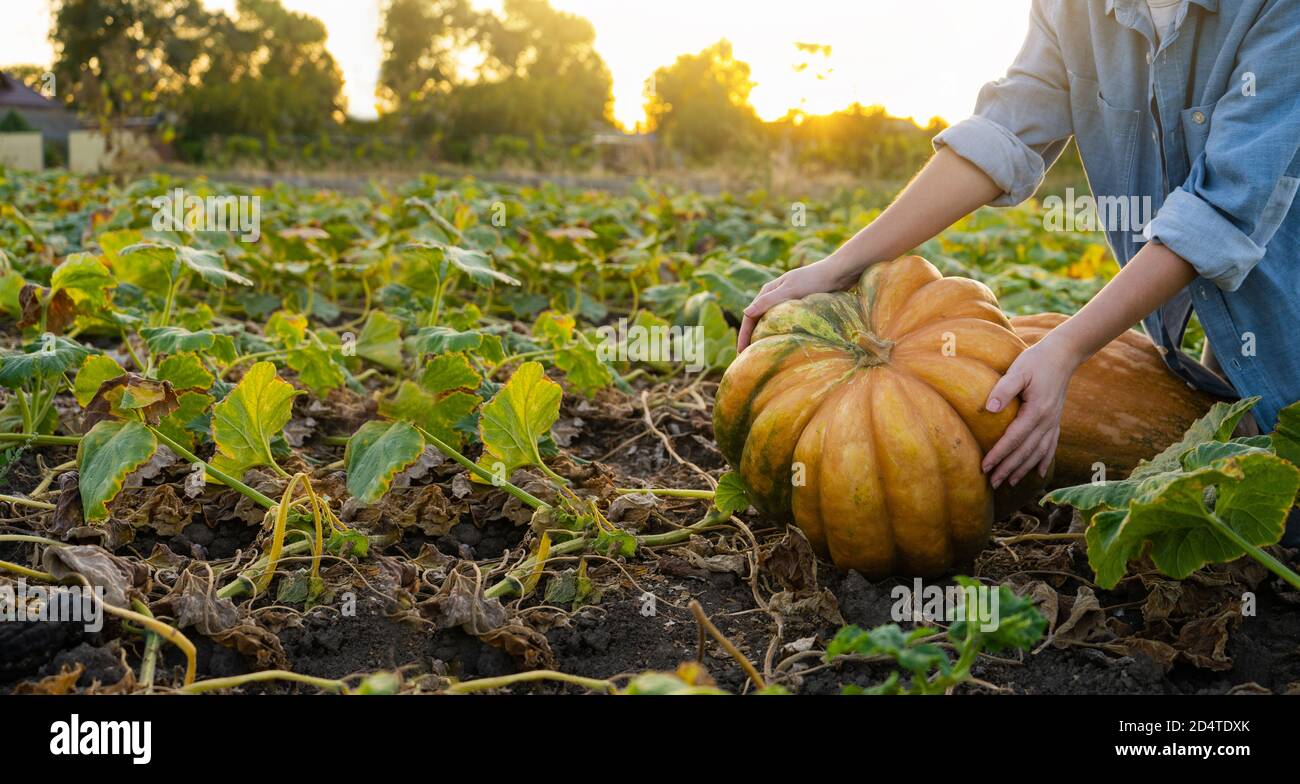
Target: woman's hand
1040,376
829,274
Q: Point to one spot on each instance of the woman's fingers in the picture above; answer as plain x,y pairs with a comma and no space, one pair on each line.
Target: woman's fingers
768,297
746,330
1018,432
1046,463
1026,446
1007,388
1033,457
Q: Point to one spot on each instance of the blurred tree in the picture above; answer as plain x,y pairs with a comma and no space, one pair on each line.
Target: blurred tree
538,78
422,41
267,73
121,57
700,106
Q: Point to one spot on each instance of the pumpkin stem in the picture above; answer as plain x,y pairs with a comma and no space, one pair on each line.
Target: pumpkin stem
877,350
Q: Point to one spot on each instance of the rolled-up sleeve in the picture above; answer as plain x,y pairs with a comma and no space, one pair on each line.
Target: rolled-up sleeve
1241,187
1022,121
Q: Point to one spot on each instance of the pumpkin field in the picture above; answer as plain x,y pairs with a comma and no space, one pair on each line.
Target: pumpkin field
458,436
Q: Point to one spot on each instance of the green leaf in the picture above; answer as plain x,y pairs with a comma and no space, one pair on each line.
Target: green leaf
47,357
299,587
719,338
111,450
380,341
1016,624
289,328
584,368
254,412
440,340
174,340
1253,494
319,369
446,372
520,414
1217,425
443,258
185,371
378,452
94,371
731,497
190,408
1286,438
554,328
615,542
437,414
81,272
207,264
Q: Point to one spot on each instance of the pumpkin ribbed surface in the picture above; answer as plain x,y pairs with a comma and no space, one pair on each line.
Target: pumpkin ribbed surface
1122,406
860,417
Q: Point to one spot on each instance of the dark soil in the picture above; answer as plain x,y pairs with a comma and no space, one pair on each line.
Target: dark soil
416,605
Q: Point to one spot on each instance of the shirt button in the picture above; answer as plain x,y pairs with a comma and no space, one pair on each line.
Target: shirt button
1198,117
1150,58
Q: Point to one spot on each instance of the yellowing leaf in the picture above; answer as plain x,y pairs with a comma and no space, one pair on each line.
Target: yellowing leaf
185,371
521,413
254,412
94,371
111,450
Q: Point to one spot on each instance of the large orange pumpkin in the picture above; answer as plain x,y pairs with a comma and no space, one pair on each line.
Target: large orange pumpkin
859,416
1122,406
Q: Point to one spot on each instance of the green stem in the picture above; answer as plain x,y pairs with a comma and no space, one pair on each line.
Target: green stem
247,579
126,342
667,492
17,501
511,583
1272,564
36,439
216,473
152,644
250,358
28,424
520,358
235,681
500,682
483,473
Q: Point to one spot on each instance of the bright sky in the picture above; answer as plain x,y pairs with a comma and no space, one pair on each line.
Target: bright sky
918,58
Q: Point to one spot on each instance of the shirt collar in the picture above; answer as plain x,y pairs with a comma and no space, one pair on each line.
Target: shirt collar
1209,5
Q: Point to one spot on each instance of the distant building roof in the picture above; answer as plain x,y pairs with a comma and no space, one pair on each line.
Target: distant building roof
16,95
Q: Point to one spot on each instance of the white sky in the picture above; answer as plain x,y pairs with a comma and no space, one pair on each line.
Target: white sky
918,58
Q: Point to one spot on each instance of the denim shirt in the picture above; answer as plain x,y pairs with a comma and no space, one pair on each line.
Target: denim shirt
1203,126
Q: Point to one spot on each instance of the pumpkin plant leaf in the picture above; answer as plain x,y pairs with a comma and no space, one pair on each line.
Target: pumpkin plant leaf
185,371
439,340
47,357
174,340
94,371
437,414
254,412
1286,438
180,425
380,341
83,273
207,264
731,497
378,452
111,450
520,414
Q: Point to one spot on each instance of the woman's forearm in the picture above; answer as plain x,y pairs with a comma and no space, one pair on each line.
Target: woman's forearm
1149,280
945,190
